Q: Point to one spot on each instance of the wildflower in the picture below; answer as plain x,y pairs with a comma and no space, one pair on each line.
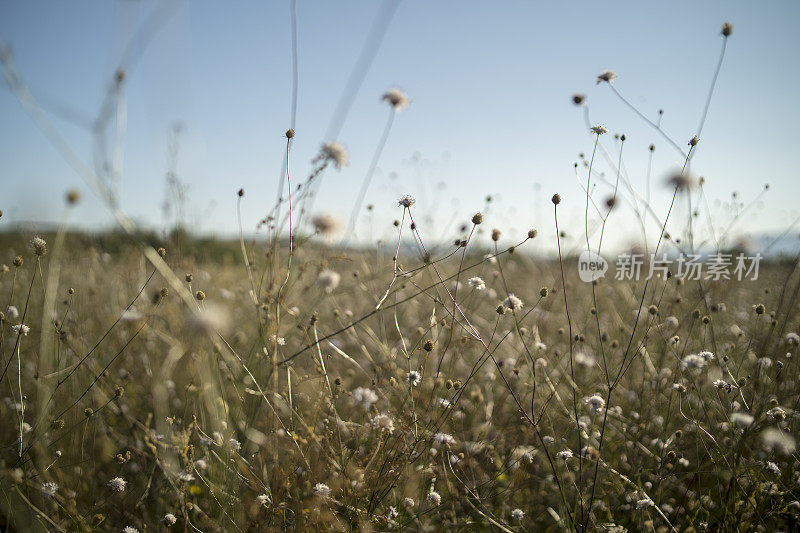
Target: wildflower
280,341
693,362
774,439
263,500
707,356
727,29
409,502
364,397
517,514
595,403
117,484
235,445
477,283
741,419
512,302
201,464
585,360
49,488
406,201
681,181
12,311
326,224
444,402
792,339
328,280
383,422
393,512
414,378
444,438
578,99
606,76
185,476
396,98
38,246
772,468
764,363
434,498
322,490
721,384
169,519
644,504
564,455
129,529
334,152
21,329
680,387
599,130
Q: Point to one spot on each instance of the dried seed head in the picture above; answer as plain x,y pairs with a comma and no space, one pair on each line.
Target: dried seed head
578,99
428,346
289,133
240,193
73,197
162,253
599,130
200,296
693,141
652,147
396,98
477,218
532,233
608,76
495,235
543,292
727,29
18,261
556,199
38,246
760,309
189,278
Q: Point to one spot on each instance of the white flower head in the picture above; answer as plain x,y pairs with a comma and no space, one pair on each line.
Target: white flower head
693,362
328,280
129,529
444,438
414,378
235,445
596,403
477,283
775,439
517,514
38,246
564,455
335,153
364,397
396,98
49,488
21,329
599,130
322,490
383,422
263,499
512,302
741,419
434,498
169,519
117,484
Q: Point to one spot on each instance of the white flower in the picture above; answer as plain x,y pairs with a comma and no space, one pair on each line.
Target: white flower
129,529
595,403
607,76
792,338
764,362
49,488
409,502
263,499
383,422
396,98
280,341
38,245
777,413
444,438
644,504
185,476
680,387
564,454
434,498
774,439
321,489
585,360
772,468
169,519
721,384
364,397
328,280
21,329
235,445
334,152
512,302
599,130
406,201
414,378
693,362
741,419
444,402
12,311
117,484
477,283
707,356
517,514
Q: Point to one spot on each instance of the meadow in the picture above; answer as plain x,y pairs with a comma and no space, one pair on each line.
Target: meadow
157,382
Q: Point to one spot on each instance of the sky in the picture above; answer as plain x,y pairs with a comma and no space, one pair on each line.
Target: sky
491,112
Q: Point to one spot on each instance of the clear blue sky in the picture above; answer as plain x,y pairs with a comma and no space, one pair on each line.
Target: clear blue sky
490,84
